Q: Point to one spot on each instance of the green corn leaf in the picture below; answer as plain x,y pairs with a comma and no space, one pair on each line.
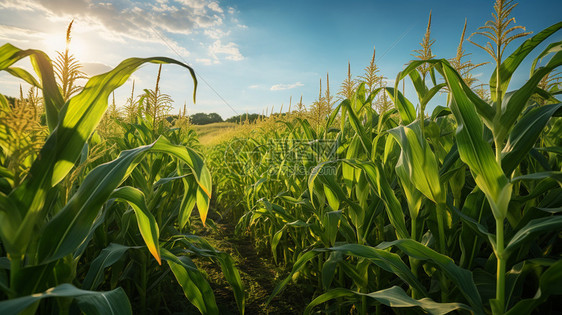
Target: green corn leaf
511,63
232,275
79,213
386,260
10,219
358,127
534,227
188,202
107,257
201,247
525,134
485,111
4,106
79,117
380,185
333,200
473,212
474,151
331,222
195,287
113,302
549,284
462,278
52,98
440,111
419,162
419,85
24,75
71,225
297,266
413,196
275,241
551,48
517,276
82,115
515,102
405,107
145,220
424,93
329,268
198,168
394,297
556,175
431,93
348,171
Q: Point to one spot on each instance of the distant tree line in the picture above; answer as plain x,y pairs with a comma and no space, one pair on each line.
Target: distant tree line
204,119
245,118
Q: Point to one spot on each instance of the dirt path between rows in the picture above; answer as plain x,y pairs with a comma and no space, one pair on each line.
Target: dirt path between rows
257,270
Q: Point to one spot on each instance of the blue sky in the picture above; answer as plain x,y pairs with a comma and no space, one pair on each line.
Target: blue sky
255,54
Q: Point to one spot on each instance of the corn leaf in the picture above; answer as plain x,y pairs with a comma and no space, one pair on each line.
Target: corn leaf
525,134
188,202
510,64
419,161
515,102
79,213
405,107
474,151
201,247
113,302
24,75
79,117
534,227
459,276
380,185
386,260
195,287
393,297
52,98
108,256
549,284
145,220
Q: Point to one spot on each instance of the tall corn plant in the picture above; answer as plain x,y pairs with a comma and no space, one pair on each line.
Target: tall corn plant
505,118
428,167
42,240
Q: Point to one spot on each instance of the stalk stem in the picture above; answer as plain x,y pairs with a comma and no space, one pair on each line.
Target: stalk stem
363,305
442,249
499,148
414,228
500,280
441,227
15,266
143,283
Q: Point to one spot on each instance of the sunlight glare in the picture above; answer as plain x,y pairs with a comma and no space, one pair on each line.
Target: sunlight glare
55,43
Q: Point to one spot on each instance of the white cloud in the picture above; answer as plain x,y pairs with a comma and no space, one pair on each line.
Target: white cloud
20,35
229,50
216,33
205,61
215,7
255,86
131,19
94,68
280,87
160,22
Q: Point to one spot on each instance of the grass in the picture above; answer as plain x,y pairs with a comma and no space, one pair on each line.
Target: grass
213,133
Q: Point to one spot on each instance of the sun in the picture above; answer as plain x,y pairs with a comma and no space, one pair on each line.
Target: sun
55,43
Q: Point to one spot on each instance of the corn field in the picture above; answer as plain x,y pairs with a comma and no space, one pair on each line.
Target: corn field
376,204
